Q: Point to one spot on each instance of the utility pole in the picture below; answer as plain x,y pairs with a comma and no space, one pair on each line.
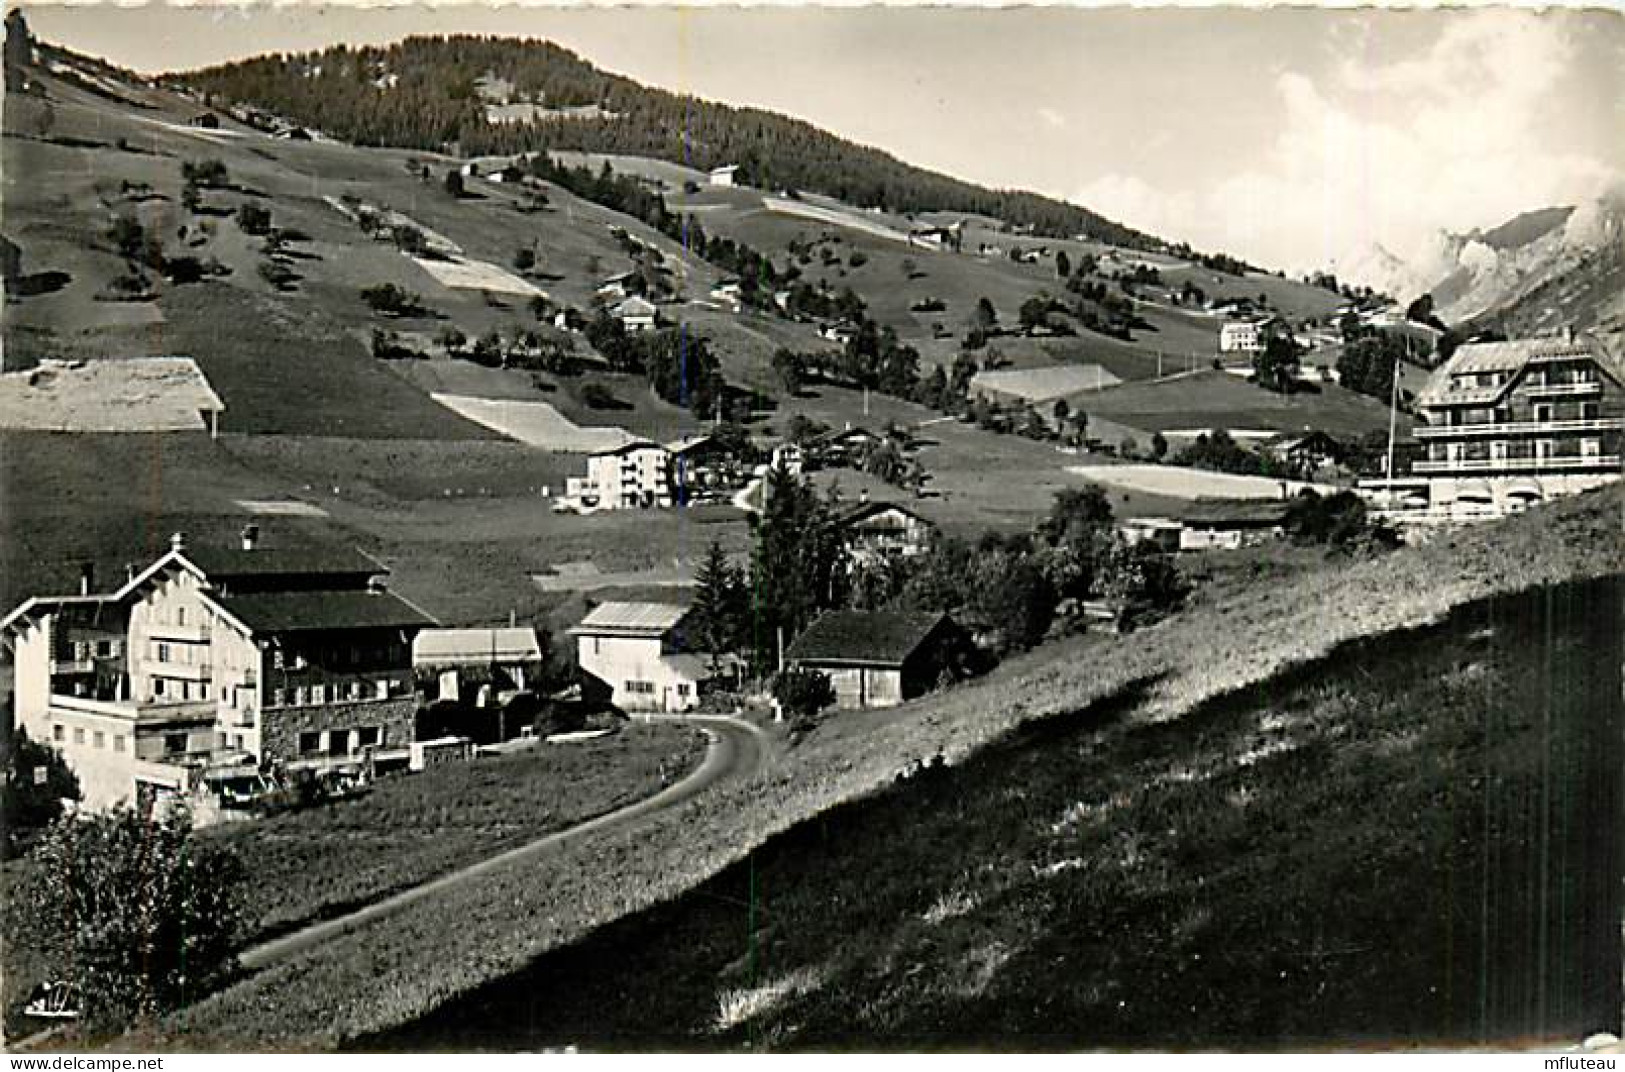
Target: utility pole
1393,414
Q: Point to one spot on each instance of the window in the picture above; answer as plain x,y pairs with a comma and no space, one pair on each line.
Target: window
279,697
299,696
58,734
118,742
682,688
310,742
78,735
367,737
104,649
318,694
81,651
276,659
1543,448
180,615
100,739
640,687
1543,411
1588,411
1590,448
174,744
383,690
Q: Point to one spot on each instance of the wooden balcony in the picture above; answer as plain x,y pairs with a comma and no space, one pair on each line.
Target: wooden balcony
1519,428
1518,465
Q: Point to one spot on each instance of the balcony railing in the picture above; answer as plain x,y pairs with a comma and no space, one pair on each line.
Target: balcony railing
1530,427
1583,387
1499,465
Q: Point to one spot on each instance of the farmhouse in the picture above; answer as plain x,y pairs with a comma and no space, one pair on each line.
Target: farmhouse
838,449
878,658
1309,451
636,314
1232,523
1510,424
702,467
506,658
634,475
724,176
1162,533
268,658
634,653
618,286
873,531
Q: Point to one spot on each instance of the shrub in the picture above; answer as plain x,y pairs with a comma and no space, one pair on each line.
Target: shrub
204,173
254,219
597,396
391,300
802,693
278,275
37,782
142,915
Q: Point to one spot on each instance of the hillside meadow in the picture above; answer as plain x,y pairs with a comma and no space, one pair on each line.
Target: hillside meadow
1270,624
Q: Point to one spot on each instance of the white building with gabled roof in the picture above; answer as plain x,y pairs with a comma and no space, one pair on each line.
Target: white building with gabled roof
636,654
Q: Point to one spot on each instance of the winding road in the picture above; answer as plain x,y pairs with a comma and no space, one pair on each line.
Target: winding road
738,750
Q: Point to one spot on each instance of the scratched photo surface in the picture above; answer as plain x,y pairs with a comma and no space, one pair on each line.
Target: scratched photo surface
807,529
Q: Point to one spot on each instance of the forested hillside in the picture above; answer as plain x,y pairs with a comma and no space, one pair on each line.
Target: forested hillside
433,93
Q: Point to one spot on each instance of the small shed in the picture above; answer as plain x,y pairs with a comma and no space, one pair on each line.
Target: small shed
878,658
724,176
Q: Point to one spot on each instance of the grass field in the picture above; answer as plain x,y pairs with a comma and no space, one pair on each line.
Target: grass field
321,862
1333,857
1269,626
1211,399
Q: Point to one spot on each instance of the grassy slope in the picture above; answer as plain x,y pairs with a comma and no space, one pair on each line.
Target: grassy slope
1267,627
317,863
1397,845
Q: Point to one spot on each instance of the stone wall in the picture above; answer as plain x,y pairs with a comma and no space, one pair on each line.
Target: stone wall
282,725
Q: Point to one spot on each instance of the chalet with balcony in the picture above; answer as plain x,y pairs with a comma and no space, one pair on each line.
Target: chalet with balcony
249,657
874,531
1510,424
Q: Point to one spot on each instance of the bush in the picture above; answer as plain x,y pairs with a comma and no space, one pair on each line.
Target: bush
597,396
801,694
391,300
280,276
204,173
140,916
254,219
37,782
182,270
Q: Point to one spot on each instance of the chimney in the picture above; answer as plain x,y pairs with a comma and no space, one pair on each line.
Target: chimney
863,495
251,536
177,542
87,577
375,584
129,572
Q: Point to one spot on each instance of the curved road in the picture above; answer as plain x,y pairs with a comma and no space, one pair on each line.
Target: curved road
738,749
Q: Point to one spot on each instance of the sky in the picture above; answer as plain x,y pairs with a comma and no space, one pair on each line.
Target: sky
1298,138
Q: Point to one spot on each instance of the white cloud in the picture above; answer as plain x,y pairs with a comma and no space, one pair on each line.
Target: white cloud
1387,153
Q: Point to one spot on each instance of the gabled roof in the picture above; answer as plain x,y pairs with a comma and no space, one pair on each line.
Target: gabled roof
631,619
635,307
25,612
1220,513
628,447
320,560
504,644
1510,356
287,612
864,511
865,638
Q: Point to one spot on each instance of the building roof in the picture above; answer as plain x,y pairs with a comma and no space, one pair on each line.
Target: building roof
504,644
1223,513
865,638
1510,356
287,612
316,560
635,307
864,511
631,619
628,447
